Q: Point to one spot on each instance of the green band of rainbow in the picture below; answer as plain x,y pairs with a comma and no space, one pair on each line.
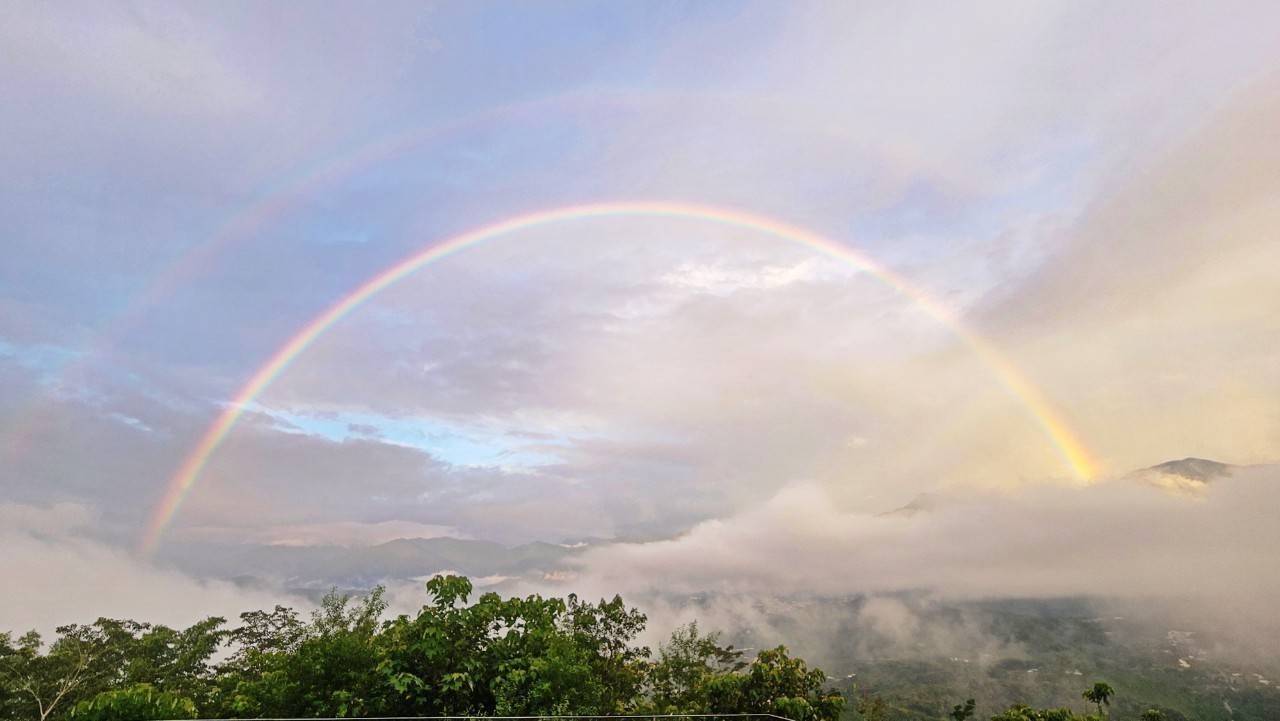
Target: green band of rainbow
1037,404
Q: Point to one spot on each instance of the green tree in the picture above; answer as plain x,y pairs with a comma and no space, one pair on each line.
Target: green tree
329,667
1100,694
432,662
679,678
254,679
127,653
872,708
455,656
514,656
776,683
136,703
42,683
1022,712
1153,714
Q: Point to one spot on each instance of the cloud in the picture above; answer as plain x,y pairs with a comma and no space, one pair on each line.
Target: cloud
1156,319
66,577
57,520
1094,202
720,280
1119,539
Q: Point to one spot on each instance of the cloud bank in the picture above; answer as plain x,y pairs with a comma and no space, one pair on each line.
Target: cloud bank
1121,540
55,573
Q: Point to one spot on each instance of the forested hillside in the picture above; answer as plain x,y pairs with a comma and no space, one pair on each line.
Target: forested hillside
455,656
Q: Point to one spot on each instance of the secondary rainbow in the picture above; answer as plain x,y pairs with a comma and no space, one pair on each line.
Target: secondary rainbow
1064,439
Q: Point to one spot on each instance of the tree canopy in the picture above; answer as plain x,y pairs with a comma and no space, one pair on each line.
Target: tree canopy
456,656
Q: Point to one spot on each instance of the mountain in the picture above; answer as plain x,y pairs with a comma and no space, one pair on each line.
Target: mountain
922,503
364,566
1188,476
359,567
1199,469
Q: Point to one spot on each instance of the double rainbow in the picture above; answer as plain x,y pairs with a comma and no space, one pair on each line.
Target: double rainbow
1073,452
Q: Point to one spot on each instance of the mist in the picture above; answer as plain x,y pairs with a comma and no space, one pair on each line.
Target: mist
1206,559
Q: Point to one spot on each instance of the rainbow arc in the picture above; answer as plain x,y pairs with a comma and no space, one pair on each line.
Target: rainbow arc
1074,454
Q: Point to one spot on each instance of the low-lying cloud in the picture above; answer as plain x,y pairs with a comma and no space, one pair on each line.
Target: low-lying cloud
55,573
1118,539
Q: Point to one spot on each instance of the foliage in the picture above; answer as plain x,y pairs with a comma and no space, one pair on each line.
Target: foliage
455,656
519,655
284,667
1100,693
136,703
39,685
776,683
872,708
679,681
963,711
1022,712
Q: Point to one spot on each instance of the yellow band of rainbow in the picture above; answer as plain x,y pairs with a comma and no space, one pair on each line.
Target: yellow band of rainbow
1037,404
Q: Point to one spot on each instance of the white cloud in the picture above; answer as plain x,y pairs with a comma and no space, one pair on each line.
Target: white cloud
720,279
69,578
1119,539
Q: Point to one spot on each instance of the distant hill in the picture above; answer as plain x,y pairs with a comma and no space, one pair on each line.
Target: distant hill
1188,476
319,567
365,566
920,504
1199,469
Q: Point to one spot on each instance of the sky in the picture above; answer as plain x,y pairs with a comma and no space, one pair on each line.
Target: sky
1088,190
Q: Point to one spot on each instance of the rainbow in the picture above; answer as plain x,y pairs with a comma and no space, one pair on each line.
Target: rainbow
19,427
1073,452
274,204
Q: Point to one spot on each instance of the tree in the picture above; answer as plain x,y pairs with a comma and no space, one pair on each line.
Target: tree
776,683
127,653
329,667
679,678
456,656
42,683
136,703
433,663
872,708
1100,693
961,712
513,656
1022,712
